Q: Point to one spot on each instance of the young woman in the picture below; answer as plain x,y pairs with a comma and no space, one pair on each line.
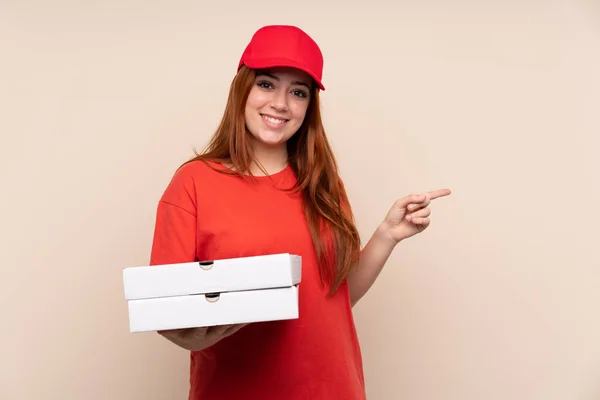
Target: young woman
268,183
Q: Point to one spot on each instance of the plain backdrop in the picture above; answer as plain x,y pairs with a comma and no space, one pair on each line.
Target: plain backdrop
100,102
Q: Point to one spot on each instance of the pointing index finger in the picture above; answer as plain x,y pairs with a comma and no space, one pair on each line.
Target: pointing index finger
438,193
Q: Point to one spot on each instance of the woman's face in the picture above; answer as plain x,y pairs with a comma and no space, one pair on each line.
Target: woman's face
277,104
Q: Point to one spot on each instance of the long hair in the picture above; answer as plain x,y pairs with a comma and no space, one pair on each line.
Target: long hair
327,209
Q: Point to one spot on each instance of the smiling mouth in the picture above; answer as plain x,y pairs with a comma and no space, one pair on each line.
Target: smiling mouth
273,121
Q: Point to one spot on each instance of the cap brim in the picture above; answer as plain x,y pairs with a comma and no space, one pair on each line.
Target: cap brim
282,62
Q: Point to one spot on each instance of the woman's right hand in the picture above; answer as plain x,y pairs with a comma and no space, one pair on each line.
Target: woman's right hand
196,339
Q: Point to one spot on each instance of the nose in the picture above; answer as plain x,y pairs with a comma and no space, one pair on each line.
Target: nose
279,101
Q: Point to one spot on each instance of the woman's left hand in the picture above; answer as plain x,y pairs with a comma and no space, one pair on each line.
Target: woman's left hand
410,215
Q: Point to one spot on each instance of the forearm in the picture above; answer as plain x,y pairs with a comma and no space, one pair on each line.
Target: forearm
372,260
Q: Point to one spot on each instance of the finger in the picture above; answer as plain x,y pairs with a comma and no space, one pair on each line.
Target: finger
422,222
217,330
198,333
180,333
169,332
223,331
176,336
233,329
413,198
416,206
438,193
422,213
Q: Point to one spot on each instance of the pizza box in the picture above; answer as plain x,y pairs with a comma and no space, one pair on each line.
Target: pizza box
212,292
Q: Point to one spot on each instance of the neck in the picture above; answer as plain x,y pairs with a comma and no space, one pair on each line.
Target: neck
272,159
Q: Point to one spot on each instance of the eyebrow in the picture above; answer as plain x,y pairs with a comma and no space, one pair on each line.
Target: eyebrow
277,79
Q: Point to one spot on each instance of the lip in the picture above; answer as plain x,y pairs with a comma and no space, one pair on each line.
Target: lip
275,117
271,125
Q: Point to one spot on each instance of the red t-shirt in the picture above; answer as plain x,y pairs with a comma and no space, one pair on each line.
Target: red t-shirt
207,215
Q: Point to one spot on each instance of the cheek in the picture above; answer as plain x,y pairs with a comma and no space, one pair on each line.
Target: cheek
250,117
253,104
299,111
256,100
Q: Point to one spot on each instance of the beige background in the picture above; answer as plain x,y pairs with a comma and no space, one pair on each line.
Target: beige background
499,101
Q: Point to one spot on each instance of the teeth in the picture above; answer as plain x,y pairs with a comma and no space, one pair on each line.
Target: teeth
274,120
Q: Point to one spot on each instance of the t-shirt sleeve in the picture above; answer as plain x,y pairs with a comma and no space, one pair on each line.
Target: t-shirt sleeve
174,239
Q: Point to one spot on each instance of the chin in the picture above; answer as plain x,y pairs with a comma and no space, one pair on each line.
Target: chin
272,140
272,143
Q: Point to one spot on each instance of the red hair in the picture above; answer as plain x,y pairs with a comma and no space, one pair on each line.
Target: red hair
327,209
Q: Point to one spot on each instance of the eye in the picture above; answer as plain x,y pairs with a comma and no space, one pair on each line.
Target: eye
300,93
264,84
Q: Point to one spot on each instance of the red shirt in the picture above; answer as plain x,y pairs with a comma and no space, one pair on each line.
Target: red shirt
207,215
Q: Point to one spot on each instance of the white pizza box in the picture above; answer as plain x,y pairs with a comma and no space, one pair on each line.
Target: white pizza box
214,292
203,310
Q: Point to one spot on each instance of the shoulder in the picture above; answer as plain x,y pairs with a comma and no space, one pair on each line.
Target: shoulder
185,182
196,168
192,172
